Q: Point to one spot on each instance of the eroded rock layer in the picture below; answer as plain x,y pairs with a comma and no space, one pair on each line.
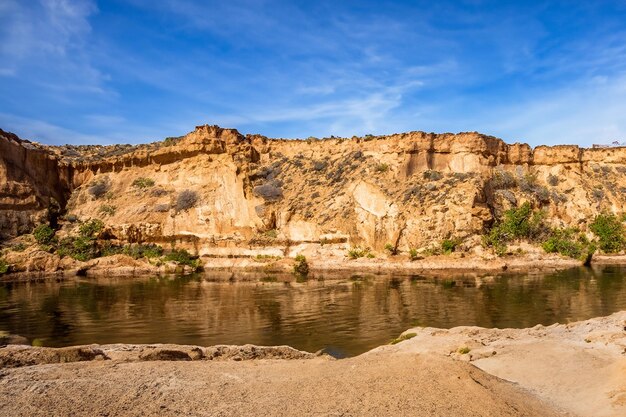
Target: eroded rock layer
250,195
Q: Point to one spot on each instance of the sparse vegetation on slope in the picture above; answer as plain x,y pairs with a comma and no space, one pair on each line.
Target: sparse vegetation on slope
43,234
4,266
142,183
359,252
517,223
186,199
301,267
182,257
610,231
570,242
402,338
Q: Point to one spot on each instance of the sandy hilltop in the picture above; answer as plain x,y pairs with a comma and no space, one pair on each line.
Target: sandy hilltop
396,202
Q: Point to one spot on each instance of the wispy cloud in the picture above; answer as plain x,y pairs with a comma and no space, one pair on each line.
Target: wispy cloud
139,70
584,113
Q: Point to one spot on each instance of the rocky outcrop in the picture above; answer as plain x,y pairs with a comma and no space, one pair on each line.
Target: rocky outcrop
33,186
16,355
253,195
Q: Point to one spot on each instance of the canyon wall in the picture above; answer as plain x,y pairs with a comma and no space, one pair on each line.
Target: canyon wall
250,195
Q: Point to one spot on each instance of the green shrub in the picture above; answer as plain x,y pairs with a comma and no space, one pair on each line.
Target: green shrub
43,234
4,267
502,180
381,168
517,223
301,267
402,338
272,234
171,140
107,209
91,228
358,252
610,232
81,248
391,249
186,199
143,251
413,255
449,245
18,247
109,250
569,242
182,257
464,350
432,175
142,183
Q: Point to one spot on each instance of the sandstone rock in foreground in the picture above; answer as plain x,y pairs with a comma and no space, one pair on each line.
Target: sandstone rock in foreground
564,369
364,386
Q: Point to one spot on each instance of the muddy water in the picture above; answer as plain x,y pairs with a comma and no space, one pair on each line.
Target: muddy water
345,315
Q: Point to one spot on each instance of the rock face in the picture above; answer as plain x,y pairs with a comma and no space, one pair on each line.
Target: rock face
33,186
250,195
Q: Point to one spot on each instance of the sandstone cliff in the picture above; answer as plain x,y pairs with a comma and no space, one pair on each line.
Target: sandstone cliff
251,195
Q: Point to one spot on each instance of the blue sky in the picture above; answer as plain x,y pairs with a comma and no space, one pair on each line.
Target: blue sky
87,71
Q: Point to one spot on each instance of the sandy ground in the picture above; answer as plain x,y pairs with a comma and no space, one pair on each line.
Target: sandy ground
579,367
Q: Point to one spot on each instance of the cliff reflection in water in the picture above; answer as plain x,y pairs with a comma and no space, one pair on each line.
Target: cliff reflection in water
346,316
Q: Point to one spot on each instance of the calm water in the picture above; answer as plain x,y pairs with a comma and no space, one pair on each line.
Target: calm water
345,316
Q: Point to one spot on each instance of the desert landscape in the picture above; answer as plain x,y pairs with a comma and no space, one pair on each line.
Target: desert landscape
287,208
415,203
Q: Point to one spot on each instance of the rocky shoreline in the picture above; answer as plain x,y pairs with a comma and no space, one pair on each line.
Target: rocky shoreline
564,369
122,265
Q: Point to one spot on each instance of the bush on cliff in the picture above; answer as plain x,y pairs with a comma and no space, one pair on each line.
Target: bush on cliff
99,188
502,180
83,247
91,228
136,251
301,267
142,183
182,257
4,266
570,242
413,254
44,234
449,245
391,249
107,209
186,200
517,223
610,232
359,252
143,251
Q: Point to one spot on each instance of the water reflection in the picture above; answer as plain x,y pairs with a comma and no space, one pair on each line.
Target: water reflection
346,316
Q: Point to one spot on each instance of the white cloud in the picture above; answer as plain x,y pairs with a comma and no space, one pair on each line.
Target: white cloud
45,42
44,132
584,113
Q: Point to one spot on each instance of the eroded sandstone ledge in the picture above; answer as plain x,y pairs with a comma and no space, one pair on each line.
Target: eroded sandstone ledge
260,196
